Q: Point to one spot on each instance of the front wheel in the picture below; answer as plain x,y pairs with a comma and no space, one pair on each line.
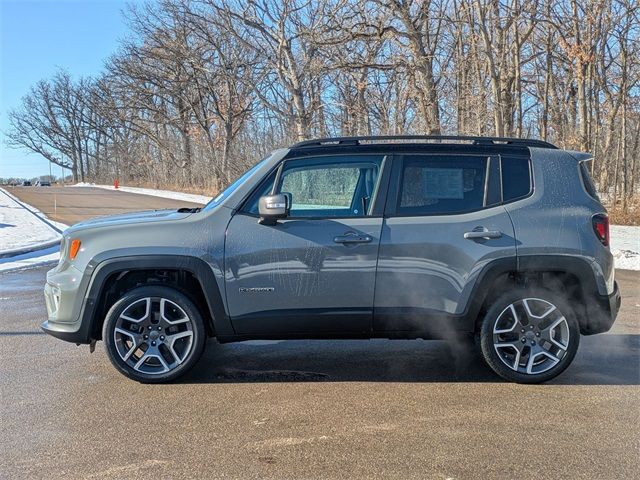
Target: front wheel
529,336
154,334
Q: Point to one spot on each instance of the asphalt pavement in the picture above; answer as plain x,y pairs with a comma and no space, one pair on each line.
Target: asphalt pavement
313,409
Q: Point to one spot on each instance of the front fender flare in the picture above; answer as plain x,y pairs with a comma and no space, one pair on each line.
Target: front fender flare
202,271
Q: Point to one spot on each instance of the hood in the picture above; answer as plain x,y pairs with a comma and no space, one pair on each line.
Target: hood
131,218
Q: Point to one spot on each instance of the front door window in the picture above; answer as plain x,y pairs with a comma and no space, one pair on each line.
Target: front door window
326,187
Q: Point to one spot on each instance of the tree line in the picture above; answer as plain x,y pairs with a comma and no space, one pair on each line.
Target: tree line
199,90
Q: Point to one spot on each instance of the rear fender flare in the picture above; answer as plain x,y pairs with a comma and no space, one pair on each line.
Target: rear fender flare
578,267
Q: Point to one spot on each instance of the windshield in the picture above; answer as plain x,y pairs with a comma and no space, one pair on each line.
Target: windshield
231,188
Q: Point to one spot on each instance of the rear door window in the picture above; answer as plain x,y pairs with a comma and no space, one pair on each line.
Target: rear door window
440,185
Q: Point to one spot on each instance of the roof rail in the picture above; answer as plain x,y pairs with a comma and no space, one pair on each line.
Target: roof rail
344,141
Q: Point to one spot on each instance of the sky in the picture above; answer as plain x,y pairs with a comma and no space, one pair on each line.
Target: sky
37,38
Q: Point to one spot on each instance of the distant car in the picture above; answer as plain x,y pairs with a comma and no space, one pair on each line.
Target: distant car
45,184
26,184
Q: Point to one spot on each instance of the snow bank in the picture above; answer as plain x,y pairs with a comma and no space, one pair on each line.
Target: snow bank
26,234
186,197
23,227
625,246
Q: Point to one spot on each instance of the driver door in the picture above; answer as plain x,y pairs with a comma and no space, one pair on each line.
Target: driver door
313,273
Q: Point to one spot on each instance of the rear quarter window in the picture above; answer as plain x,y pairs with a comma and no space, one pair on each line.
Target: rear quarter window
587,181
516,178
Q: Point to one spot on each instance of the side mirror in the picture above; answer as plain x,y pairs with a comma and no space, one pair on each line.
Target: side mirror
273,207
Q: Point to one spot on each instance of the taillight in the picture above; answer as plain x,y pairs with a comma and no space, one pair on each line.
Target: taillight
601,228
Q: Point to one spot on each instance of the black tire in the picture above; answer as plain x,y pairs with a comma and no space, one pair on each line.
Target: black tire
196,333
488,338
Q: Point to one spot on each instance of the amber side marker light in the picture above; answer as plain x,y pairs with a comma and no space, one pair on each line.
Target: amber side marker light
74,249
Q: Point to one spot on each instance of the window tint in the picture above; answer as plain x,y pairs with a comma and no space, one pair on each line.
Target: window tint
321,189
440,185
516,178
325,187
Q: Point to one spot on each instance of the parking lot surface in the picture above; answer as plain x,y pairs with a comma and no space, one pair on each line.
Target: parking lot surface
313,409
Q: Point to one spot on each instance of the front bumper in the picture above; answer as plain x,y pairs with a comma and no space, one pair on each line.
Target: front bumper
75,333
64,295
600,312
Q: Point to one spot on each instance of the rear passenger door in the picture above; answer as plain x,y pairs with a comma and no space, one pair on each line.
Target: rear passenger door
444,222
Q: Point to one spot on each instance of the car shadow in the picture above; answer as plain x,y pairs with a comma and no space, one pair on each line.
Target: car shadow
13,333
611,359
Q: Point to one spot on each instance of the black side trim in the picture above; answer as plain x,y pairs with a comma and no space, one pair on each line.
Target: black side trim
408,322
346,323
305,322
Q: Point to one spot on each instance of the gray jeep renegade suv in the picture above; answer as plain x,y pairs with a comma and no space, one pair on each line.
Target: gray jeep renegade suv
502,240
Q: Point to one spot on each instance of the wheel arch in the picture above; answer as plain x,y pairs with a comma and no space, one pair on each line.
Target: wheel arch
197,280
572,276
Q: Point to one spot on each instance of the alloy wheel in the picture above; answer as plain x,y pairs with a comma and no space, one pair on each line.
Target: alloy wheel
153,335
531,336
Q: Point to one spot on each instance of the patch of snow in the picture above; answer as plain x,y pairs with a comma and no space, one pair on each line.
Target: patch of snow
24,227
30,260
186,197
625,246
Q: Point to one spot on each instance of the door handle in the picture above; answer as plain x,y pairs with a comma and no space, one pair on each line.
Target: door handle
352,239
477,233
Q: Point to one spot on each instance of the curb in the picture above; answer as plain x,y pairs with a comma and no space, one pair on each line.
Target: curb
33,248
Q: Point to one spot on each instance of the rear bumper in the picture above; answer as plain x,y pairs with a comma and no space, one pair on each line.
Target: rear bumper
600,312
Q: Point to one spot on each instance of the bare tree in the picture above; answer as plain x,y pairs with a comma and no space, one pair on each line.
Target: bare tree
202,87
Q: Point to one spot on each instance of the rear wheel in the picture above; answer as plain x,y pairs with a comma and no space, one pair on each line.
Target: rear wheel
529,336
154,334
